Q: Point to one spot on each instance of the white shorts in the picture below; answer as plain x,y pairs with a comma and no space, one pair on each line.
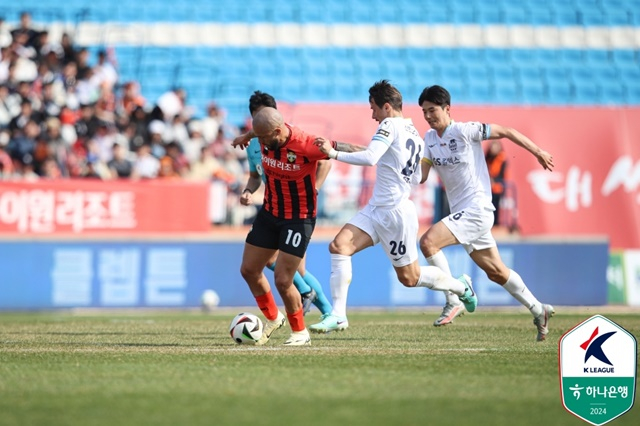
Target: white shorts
395,228
472,227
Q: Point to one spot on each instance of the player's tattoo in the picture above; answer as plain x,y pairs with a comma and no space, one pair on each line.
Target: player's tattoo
347,147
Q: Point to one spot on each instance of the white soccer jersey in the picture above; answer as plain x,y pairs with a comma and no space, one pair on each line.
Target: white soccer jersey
458,158
399,167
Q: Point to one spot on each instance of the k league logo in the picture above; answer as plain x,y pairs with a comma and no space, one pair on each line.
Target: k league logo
597,370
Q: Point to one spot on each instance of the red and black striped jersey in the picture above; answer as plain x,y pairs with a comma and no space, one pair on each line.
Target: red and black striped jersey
290,174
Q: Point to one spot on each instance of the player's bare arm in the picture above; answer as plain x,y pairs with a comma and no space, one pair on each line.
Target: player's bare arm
348,147
321,172
544,158
253,183
425,166
243,140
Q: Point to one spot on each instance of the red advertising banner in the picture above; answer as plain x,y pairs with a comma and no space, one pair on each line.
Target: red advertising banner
92,206
594,189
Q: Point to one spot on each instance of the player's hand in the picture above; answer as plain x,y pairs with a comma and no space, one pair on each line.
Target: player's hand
241,141
324,145
246,199
546,160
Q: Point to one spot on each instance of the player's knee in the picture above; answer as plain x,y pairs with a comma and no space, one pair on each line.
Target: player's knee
336,248
408,279
248,273
426,247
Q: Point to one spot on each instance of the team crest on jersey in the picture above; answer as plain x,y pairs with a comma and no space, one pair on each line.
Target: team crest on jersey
453,146
291,156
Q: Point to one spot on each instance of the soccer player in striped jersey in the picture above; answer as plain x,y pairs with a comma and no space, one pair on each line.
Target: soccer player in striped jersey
285,222
390,218
454,149
307,284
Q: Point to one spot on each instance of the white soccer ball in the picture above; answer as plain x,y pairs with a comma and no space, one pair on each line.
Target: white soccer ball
209,300
246,328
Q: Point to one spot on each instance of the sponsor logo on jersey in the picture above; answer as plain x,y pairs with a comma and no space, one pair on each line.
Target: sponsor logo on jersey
449,161
383,132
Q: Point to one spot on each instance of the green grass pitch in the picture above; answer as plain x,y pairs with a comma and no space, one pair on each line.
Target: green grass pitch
182,368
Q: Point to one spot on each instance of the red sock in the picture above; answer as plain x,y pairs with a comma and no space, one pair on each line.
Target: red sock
296,320
267,305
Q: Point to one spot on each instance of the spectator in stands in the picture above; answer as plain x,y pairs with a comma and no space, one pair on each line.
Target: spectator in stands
130,99
207,167
5,34
57,147
120,166
9,105
25,29
156,142
68,51
18,123
6,163
496,160
82,64
179,162
212,123
169,105
192,147
87,124
105,71
23,142
146,165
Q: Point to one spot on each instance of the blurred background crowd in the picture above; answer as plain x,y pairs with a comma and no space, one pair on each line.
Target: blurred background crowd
64,113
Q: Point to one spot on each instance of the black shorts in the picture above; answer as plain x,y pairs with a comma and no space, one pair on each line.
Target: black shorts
291,236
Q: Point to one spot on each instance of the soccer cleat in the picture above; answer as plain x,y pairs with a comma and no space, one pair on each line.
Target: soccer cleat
329,323
307,299
449,312
469,299
270,327
542,322
299,338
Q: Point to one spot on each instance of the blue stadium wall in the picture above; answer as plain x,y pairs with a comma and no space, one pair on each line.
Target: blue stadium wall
63,274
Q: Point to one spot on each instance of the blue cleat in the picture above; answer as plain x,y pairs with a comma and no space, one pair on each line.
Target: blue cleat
329,323
469,299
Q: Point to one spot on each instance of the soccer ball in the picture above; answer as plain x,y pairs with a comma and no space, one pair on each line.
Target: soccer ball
209,300
245,328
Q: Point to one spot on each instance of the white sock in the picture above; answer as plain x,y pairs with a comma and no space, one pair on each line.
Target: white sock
340,279
440,260
517,288
435,278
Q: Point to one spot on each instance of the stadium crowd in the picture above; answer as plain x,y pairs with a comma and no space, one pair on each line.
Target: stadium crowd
65,115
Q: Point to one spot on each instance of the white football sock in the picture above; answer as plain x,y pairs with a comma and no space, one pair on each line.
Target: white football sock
517,288
435,278
440,260
340,279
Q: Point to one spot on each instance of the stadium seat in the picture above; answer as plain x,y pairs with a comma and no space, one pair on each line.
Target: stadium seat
497,55
616,16
506,92
541,16
523,56
612,92
586,93
533,92
480,92
559,92
514,14
632,92
489,16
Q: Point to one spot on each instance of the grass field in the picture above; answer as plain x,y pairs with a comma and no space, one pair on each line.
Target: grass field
182,368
